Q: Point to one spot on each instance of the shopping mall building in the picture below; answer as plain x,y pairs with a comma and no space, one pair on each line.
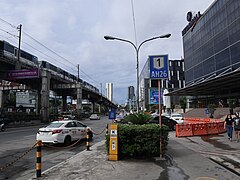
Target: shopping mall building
211,43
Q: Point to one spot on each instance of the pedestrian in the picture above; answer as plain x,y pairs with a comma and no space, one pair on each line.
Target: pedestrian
237,125
228,125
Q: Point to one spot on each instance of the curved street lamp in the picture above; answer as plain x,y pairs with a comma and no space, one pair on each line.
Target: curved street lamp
137,53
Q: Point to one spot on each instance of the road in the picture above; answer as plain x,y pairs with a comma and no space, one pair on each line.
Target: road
16,141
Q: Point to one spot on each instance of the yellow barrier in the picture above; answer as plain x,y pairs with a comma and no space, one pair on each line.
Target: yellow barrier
113,146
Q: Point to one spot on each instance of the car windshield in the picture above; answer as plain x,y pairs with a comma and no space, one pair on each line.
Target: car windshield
54,125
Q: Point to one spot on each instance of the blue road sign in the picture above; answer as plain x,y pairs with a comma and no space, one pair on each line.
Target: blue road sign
158,67
112,114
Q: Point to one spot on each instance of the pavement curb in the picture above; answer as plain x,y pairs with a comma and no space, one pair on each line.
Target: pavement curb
225,164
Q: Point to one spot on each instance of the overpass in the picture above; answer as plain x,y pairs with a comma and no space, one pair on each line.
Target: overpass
42,79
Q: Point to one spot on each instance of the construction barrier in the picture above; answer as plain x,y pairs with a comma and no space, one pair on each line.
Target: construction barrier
212,128
221,127
183,130
199,129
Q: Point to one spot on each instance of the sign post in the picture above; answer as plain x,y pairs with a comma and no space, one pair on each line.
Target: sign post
159,71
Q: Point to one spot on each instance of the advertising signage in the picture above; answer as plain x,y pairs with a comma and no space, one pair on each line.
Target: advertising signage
153,99
158,67
23,74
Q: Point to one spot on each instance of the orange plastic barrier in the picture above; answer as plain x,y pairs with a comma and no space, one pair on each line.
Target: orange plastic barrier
221,127
206,119
199,129
184,130
212,128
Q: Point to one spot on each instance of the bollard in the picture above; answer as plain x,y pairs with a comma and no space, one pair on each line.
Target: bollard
88,139
107,129
113,143
39,157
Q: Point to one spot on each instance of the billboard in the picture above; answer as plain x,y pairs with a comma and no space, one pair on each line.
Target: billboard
153,96
23,74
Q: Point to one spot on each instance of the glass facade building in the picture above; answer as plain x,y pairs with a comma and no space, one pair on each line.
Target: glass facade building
211,42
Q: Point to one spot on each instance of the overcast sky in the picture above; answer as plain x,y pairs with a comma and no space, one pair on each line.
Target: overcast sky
74,30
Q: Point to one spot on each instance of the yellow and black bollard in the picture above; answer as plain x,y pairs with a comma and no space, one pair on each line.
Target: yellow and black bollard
88,139
107,129
39,157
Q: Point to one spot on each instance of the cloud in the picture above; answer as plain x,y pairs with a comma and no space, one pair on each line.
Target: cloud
74,29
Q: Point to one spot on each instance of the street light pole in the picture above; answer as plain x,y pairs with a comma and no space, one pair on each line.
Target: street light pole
137,54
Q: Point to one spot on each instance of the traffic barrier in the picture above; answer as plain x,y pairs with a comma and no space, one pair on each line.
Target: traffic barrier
88,139
199,129
206,119
221,127
39,159
212,128
106,130
183,130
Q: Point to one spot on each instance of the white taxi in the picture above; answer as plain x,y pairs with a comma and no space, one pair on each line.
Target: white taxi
64,131
177,117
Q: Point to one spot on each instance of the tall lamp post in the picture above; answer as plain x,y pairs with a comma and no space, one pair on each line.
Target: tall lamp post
137,53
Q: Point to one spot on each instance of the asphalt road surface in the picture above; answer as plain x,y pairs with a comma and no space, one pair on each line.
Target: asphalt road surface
15,142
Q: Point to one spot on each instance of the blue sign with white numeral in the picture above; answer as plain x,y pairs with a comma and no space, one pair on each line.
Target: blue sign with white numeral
158,67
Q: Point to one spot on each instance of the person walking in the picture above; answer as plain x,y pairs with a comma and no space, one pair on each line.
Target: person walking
228,125
237,126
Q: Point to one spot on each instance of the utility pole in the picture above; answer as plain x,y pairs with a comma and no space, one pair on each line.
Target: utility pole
18,64
78,73
79,96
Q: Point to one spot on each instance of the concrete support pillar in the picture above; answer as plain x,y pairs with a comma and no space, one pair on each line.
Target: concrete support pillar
93,107
79,102
46,76
64,103
1,98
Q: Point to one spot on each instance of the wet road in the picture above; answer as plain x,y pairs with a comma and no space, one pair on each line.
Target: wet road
16,141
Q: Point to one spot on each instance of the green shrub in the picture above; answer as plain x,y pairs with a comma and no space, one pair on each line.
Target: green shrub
137,118
140,141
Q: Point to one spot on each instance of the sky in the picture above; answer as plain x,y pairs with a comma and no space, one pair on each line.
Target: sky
70,32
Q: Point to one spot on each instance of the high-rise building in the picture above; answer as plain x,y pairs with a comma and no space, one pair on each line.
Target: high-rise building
175,81
131,93
109,91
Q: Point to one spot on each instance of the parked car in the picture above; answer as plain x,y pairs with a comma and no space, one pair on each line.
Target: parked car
165,121
166,114
177,117
66,115
64,131
119,119
94,117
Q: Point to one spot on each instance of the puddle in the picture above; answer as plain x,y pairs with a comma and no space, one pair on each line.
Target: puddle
171,170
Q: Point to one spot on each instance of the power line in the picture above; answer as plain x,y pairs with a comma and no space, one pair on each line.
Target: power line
13,26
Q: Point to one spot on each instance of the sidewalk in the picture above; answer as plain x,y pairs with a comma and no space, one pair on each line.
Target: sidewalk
181,163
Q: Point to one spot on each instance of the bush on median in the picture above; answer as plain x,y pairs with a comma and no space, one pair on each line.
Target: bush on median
140,141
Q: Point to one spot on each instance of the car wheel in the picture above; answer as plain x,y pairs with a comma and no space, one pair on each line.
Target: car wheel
67,140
